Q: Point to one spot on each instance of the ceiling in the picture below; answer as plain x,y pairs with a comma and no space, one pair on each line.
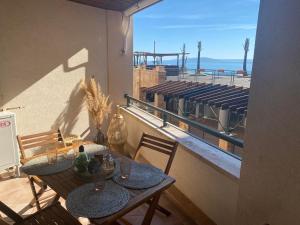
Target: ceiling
117,5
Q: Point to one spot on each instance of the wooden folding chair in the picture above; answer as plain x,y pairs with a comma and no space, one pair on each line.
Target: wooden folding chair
163,146
52,215
39,142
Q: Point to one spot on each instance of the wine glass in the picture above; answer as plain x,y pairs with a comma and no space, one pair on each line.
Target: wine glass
95,169
99,181
52,155
125,168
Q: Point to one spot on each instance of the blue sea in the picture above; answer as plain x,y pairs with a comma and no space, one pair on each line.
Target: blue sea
209,63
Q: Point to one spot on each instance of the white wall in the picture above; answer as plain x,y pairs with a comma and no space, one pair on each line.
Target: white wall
120,69
270,175
47,47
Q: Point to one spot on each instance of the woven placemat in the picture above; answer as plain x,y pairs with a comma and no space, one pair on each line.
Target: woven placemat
85,202
141,176
40,166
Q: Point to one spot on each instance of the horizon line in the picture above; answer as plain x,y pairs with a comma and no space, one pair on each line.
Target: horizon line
195,57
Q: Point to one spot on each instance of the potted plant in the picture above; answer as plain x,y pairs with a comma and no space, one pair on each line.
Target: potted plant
98,104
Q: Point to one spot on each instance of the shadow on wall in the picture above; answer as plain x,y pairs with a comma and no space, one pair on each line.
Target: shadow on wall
41,45
69,116
39,39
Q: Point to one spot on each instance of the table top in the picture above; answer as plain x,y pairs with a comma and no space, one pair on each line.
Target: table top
65,182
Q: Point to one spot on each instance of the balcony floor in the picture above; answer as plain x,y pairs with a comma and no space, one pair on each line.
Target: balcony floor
16,193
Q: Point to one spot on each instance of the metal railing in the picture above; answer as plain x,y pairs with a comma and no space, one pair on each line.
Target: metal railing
166,114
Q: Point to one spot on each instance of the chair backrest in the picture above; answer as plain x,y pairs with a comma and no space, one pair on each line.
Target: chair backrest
45,139
158,144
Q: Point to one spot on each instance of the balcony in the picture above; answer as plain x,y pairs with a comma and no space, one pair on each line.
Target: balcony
49,47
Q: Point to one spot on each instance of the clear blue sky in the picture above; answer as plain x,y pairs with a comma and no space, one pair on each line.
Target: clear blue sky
221,25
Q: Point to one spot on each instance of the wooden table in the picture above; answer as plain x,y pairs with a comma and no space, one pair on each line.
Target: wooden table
63,183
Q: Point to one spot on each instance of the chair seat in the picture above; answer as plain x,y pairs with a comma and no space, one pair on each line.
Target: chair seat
52,215
35,145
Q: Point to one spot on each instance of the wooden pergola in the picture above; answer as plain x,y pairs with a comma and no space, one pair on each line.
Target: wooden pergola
142,57
220,96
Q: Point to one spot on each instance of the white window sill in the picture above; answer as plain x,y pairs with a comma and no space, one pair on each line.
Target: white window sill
219,160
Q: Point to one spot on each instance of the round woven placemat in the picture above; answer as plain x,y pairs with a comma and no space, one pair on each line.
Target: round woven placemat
40,166
85,202
141,176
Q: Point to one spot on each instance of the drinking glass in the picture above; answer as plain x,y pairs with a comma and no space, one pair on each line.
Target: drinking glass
99,181
125,168
52,156
99,157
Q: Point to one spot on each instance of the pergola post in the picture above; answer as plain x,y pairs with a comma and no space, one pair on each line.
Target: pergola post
159,102
197,110
181,112
223,126
223,120
207,111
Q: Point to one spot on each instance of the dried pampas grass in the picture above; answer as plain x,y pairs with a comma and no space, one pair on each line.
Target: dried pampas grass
97,102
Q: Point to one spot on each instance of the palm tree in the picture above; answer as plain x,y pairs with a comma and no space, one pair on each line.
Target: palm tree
199,55
246,49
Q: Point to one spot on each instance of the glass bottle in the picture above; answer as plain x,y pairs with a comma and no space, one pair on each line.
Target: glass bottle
81,161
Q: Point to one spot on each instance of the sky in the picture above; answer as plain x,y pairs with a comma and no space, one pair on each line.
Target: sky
221,25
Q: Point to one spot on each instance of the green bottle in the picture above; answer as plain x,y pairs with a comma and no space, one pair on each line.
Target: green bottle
81,162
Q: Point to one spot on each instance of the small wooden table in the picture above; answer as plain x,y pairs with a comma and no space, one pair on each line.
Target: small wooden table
65,182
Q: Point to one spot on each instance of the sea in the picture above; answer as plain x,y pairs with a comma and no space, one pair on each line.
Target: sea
214,64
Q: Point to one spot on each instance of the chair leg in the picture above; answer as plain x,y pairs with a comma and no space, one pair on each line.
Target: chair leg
124,221
35,194
149,215
163,210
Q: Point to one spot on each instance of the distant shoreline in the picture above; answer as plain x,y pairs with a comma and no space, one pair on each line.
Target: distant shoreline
215,64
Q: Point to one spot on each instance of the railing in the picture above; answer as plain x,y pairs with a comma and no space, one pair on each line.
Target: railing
208,72
166,114
216,73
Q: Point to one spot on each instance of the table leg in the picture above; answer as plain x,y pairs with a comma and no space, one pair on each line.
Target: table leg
150,213
55,199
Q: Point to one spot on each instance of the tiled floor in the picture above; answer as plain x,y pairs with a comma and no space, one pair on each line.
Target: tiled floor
16,193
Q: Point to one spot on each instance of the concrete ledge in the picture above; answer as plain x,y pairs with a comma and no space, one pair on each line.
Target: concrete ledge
217,159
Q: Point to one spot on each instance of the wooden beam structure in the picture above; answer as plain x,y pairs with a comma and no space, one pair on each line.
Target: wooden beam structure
233,98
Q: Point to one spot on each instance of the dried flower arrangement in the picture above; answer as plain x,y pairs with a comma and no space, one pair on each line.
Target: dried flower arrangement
98,104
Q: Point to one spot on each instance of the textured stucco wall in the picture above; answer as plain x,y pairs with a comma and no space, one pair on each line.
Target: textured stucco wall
47,47
270,174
